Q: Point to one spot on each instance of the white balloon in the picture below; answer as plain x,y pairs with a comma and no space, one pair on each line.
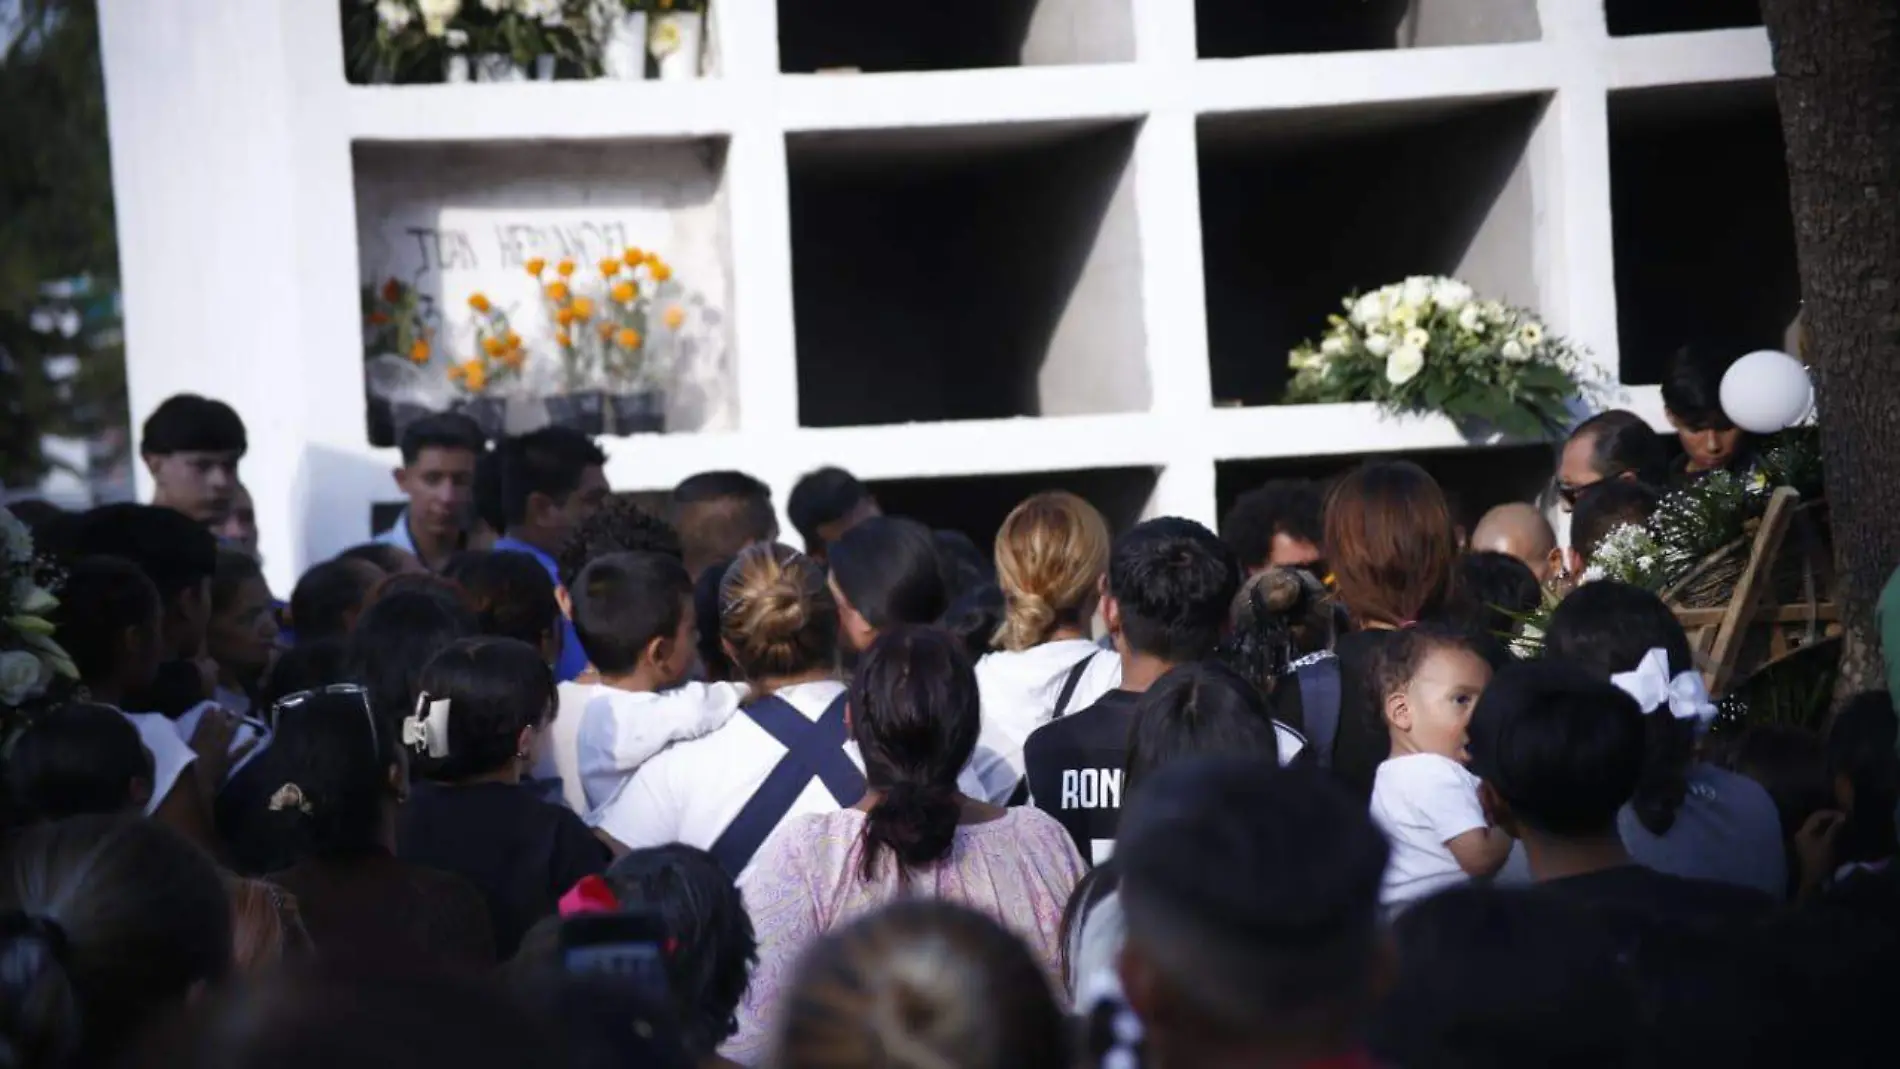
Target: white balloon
1767,391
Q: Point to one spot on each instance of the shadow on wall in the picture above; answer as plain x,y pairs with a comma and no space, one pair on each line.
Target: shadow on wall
1703,231
1631,17
878,35
931,270
976,505
1293,219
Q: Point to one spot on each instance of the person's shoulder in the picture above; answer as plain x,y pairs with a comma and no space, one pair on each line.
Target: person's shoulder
1732,790
1027,822
1422,768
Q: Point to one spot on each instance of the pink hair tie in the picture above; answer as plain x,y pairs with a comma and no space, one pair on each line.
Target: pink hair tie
591,895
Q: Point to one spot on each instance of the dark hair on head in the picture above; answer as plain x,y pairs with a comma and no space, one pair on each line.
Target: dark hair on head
188,423
700,908
914,713
1278,616
1290,507
620,525
1285,941
1622,443
940,982
486,495
172,549
821,497
41,517
1199,708
1692,384
1555,993
441,430
719,513
1497,590
963,566
622,602
495,687
1790,763
550,462
512,594
974,617
1861,751
1609,627
76,758
335,763
1396,660
106,922
777,614
1604,507
1174,582
887,568
306,666
102,598
388,559
1562,745
329,597
395,638
235,568
707,621
1391,544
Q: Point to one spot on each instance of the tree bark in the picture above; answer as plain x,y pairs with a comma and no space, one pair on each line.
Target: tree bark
1837,76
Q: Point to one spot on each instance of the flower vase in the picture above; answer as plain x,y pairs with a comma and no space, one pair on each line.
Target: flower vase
489,413
455,69
623,43
582,410
637,411
498,67
544,68
675,41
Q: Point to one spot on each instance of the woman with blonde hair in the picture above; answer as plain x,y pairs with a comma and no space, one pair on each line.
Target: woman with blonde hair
1051,554
786,754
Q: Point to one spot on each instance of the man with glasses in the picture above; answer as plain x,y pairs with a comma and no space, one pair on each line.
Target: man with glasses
1609,445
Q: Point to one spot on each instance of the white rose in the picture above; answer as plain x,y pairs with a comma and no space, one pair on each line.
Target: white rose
1417,290
394,15
1368,309
437,13
1469,320
1450,294
1333,345
1404,317
1378,344
1496,312
22,676
1404,365
1511,350
1416,338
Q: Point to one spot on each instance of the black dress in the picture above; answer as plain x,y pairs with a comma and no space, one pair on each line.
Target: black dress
522,853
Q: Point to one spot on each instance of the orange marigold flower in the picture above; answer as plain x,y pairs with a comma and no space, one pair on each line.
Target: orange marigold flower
624,292
610,267
661,272
564,316
419,352
511,340
476,376
392,291
479,302
457,372
566,268
606,330
513,359
584,307
633,256
536,266
675,315
492,345
628,338
563,338
557,292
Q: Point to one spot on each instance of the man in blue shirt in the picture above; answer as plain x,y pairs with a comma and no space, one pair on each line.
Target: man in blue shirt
551,480
439,454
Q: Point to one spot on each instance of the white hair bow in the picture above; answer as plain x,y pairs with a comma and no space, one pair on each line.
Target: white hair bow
428,730
1652,687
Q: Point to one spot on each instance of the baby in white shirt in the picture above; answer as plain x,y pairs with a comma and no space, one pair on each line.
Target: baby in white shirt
1425,800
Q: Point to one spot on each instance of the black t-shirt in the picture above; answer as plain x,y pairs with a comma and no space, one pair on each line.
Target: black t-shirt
521,852
1362,741
1635,894
1075,768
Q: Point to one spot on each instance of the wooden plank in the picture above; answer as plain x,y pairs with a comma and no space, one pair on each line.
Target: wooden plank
1748,589
1825,612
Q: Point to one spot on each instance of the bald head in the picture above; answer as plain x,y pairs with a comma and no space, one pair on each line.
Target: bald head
1518,530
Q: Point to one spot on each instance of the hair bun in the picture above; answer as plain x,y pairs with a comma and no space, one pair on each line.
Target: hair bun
917,823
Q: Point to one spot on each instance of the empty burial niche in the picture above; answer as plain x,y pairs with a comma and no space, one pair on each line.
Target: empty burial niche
1474,479
1228,29
1300,209
1703,233
878,35
975,505
966,273
1627,18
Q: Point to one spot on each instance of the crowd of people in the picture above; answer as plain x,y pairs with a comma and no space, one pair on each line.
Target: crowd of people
539,777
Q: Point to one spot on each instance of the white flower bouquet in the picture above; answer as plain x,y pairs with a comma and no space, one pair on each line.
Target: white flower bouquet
1429,344
1628,554
29,657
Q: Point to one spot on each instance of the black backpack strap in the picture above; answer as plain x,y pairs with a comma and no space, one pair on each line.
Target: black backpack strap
1319,705
1068,686
813,750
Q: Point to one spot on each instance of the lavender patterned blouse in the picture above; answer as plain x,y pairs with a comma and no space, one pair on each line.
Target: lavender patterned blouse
1019,869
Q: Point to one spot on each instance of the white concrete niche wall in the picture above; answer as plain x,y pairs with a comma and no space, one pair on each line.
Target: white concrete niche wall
454,219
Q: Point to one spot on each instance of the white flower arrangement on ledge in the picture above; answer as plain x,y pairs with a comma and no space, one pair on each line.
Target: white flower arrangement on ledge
1430,344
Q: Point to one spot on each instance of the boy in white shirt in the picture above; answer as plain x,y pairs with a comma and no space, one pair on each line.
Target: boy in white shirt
633,614
1423,798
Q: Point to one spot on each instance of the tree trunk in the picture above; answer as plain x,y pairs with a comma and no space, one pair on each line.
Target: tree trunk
1837,75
